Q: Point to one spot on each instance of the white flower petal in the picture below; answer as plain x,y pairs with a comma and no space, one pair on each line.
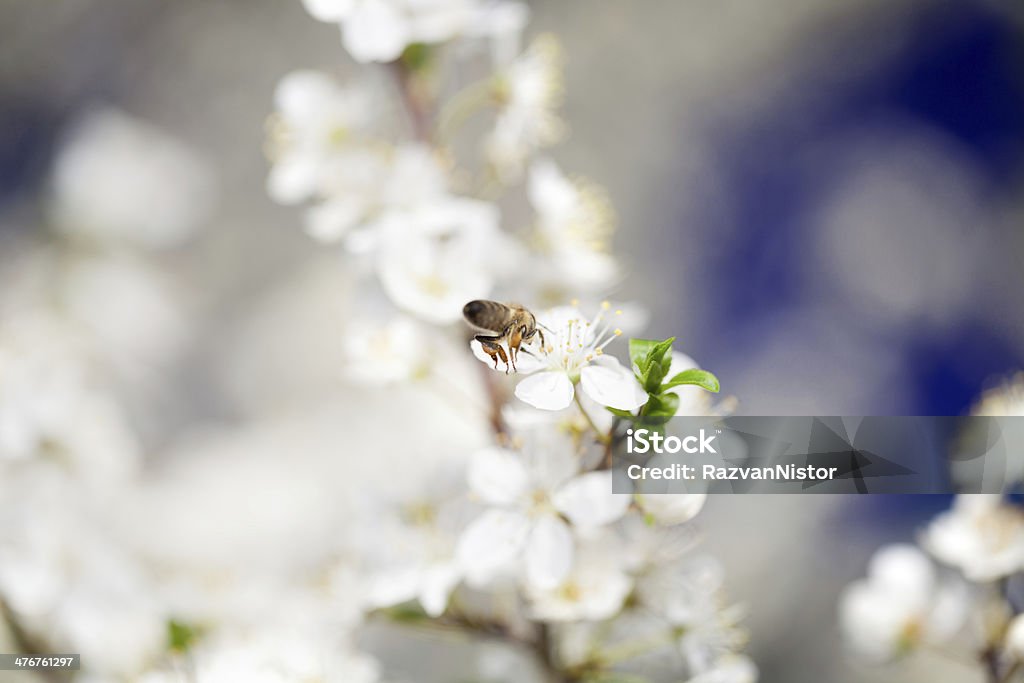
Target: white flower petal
901,567
329,10
437,584
302,96
490,542
328,222
375,32
588,500
549,191
551,390
292,180
393,587
609,383
549,552
730,668
672,508
497,476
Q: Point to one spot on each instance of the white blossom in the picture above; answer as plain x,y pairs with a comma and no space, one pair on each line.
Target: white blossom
408,543
368,183
275,656
320,131
49,409
982,535
575,223
671,508
900,605
380,30
573,353
1005,400
131,312
594,590
529,92
433,259
729,669
687,592
119,179
385,353
1013,643
528,493
71,583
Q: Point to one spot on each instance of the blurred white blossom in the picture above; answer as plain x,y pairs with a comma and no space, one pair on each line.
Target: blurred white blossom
360,190
433,259
118,179
729,669
397,350
594,589
316,131
274,656
671,508
529,93
408,544
1005,400
50,410
1014,641
380,30
261,546
575,223
981,535
902,604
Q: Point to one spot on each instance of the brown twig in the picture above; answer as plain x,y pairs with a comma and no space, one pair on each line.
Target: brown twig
26,644
416,108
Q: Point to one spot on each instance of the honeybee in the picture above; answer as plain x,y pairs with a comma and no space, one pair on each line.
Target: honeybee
509,323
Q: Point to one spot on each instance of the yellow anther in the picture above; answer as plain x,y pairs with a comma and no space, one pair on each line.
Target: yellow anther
574,302
605,305
617,332
618,311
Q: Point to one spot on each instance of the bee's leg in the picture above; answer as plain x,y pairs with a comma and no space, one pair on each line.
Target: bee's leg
535,333
515,340
492,347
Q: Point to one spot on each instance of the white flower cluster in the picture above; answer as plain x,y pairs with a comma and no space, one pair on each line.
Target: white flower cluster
521,538
89,323
94,557
908,602
263,550
958,601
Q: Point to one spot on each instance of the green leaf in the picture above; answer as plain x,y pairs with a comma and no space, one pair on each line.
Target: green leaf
620,412
405,613
615,677
658,410
416,56
661,353
638,350
181,636
701,378
651,359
